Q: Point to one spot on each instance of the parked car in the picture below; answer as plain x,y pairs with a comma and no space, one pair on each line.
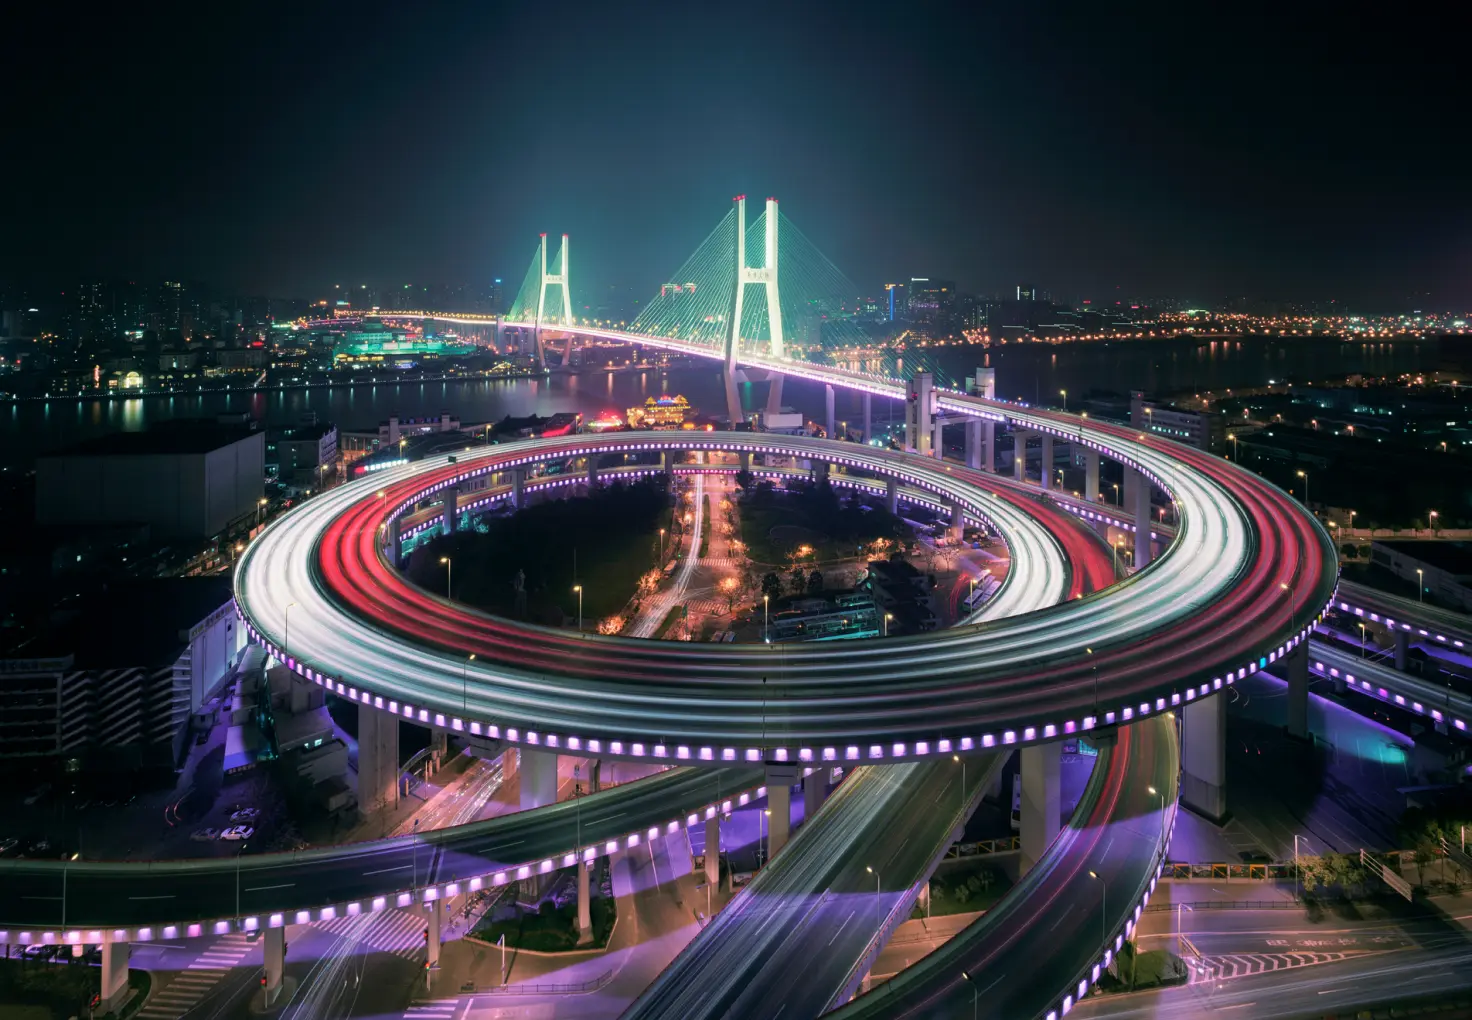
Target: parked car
204,835
246,814
7,845
238,832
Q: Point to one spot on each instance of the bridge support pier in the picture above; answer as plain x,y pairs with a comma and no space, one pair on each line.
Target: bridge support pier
1019,455
518,487
1140,507
920,414
585,904
831,421
713,849
774,394
114,991
667,458
892,496
1091,475
743,460
973,443
938,443
393,551
1402,649
989,443
592,472
733,397
435,913
814,790
538,777
378,758
868,416
780,778
958,521
1045,469
273,943
1204,758
1041,807
451,505
1295,664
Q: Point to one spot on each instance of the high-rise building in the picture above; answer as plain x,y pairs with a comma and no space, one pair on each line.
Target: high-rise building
894,299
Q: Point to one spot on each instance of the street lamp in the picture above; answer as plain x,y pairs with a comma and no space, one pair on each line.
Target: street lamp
1103,908
1116,494
1433,522
465,688
286,638
887,618
237,877
449,577
1064,395
1420,585
766,605
579,589
1232,437
974,991
1362,641
877,893
1304,476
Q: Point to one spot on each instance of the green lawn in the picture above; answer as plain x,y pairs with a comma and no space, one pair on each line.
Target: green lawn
1156,968
551,930
46,989
965,886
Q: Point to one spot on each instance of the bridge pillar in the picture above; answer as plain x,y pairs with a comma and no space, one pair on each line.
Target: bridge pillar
1204,758
920,414
667,458
592,472
831,421
1131,481
435,911
713,849
868,416
958,521
393,551
1046,468
451,502
1296,667
114,992
733,397
780,778
814,790
892,496
1041,808
585,904
1141,510
774,394
273,943
938,444
538,777
1091,476
1402,649
1019,455
973,443
989,441
518,487
378,758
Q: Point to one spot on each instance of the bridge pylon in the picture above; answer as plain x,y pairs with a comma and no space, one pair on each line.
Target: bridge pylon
560,278
764,276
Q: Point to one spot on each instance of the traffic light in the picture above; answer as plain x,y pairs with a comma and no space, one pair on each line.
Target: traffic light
426,936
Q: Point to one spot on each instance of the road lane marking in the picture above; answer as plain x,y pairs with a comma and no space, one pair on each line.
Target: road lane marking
263,888
842,926
167,897
385,871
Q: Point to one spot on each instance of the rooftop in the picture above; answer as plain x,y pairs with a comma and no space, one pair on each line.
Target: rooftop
193,438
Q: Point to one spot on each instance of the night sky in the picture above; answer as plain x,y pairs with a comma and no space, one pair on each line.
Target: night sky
1162,151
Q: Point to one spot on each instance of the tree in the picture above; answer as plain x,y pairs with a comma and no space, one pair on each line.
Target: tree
771,586
798,582
744,480
815,582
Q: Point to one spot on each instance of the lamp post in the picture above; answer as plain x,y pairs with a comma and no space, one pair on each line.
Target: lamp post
887,618
766,605
449,578
1292,619
1362,641
1304,476
1297,876
579,589
1232,437
877,893
237,877
1103,907
465,688
1064,395
1116,494
1433,523
286,638
974,991
1420,585
957,757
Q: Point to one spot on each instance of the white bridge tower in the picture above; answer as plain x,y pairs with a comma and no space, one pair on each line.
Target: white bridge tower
766,276
558,279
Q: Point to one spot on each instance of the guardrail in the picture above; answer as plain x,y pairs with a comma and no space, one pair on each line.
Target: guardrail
541,989
1006,844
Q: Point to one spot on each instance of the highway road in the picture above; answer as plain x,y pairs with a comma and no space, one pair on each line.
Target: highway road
797,939
1023,955
1246,555
45,894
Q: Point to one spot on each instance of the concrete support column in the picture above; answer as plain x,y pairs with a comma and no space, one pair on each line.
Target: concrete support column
973,443
1140,508
780,778
432,946
713,849
1091,476
538,778
1296,666
814,789
958,521
938,444
1046,471
744,460
114,991
393,549
1204,758
585,904
1402,649
733,398
273,943
868,417
518,487
1127,494
667,458
892,495
989,441
1019,455
451,508
378,758
919,414
1041,808
830,422
592,472
774,395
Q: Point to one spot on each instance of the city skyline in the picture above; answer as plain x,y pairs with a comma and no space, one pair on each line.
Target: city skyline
1152,155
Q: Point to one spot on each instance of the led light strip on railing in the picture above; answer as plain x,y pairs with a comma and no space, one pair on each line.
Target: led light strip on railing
402,898
1384,690
1402,625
